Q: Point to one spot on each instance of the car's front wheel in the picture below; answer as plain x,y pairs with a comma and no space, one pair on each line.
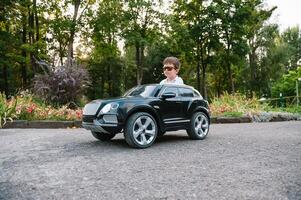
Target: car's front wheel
141,130
199,126
103,136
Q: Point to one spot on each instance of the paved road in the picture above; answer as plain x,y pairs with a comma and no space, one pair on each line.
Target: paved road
236,161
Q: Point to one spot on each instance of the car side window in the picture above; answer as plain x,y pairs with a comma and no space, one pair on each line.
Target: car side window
186,92
196,94
171,89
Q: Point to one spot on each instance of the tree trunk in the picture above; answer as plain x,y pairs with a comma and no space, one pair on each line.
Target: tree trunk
37,32
252,64
204,89
31,38
228,63
31,26
232,89
36,20
23,63
109,80
139,59
5,75
141,63
4,71
198,68
204,66
102,87
72,32
61,53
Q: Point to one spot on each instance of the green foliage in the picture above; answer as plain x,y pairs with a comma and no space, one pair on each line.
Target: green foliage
26,106
232,114
61,85
287,84
7,109
222,45
289,109
106,78
235,105
292,39
140,28
105,66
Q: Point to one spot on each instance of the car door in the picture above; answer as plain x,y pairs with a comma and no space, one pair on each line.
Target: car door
171,108
187,96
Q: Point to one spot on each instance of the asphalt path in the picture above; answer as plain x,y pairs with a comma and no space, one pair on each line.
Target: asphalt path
235,161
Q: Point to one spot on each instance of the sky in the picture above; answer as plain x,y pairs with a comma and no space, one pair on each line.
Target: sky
287,14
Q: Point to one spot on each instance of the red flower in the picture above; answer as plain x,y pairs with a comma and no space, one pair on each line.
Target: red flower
223,109
31,108
79,113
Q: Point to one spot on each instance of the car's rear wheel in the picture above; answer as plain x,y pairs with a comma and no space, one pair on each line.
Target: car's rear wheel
103,136
141,130
199,126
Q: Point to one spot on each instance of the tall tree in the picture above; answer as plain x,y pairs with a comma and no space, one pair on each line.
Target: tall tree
232,15
292,38
65,21
105,64
257,38
23,43
141,19
196,17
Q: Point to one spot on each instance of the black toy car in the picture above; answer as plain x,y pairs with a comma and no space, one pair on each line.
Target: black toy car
148,111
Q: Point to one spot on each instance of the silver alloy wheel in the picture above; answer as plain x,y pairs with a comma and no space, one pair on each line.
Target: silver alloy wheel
144,130
201,125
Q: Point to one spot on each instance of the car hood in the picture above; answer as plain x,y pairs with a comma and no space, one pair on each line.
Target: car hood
117,100
93,107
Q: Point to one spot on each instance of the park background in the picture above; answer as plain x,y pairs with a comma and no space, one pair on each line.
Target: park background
55,56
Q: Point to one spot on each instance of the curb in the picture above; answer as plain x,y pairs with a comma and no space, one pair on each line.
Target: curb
46,124
227,120
42,124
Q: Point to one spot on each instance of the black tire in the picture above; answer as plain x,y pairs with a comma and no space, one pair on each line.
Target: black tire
161,133
141,130
199,126
103,136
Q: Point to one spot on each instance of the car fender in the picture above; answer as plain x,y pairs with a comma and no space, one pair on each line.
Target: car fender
148,109
201,109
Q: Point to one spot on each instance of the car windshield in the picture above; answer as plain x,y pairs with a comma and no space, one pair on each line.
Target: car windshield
142,91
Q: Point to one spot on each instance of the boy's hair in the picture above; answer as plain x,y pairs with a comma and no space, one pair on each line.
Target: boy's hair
172,60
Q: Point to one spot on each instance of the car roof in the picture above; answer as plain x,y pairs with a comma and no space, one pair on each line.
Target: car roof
170,85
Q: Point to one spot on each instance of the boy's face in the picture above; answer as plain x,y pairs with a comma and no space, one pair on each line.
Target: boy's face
170,71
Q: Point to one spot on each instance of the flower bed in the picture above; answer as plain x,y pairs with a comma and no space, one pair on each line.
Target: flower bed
223,109
236,105
26,107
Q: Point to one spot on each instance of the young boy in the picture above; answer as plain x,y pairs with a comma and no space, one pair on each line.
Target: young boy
171,68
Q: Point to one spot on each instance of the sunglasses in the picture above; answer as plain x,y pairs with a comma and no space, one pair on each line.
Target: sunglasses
168,68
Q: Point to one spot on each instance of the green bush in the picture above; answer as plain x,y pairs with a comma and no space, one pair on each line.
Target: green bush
287,84
31,108
62,85
235,105
232,114
26,106
290,109
7,109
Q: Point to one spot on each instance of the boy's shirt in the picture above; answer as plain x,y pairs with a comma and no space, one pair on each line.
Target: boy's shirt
177,80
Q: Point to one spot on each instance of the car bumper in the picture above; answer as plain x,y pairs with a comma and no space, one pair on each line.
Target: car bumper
106,124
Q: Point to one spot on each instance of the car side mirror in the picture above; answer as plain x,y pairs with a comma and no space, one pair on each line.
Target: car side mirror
168,95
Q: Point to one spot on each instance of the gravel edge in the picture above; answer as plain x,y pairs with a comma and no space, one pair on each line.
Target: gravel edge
248,118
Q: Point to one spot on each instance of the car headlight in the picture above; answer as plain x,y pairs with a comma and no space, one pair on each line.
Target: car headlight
108,107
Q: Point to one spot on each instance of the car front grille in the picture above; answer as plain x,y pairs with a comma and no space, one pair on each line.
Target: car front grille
88,118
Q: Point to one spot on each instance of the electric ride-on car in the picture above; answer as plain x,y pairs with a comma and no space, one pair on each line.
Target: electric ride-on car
147,111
